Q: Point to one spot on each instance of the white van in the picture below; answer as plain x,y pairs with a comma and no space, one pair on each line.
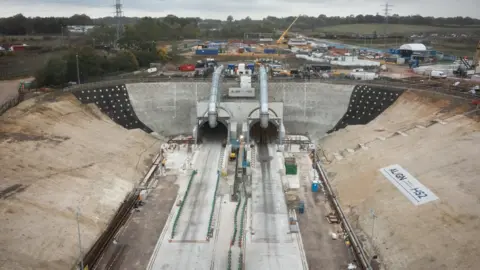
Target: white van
438,74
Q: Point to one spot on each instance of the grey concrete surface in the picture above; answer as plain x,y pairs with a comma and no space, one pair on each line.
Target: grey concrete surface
269,243
241,109
311,107
189,248
170,108
193,222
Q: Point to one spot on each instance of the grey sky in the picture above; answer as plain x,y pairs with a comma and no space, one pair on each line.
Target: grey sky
239,8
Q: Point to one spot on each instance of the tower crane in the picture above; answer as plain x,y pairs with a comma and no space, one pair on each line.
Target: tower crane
281,39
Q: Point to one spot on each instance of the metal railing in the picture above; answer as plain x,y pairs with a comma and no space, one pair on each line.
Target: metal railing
399,84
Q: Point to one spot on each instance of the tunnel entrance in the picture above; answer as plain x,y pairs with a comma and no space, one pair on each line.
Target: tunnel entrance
216,134
264,136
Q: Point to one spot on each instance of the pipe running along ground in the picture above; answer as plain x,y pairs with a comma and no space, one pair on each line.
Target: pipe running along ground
214,97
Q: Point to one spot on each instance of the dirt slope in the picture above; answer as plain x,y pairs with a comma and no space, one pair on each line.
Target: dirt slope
56,156
442,156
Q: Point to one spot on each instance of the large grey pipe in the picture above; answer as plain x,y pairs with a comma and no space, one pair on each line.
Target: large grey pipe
263,98
214,98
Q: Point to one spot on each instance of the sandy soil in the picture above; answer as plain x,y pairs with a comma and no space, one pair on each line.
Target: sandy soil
58,156
442,156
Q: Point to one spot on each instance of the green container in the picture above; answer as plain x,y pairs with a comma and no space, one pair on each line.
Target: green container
290,169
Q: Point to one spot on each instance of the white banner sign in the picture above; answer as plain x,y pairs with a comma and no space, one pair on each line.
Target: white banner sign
407,184
241,92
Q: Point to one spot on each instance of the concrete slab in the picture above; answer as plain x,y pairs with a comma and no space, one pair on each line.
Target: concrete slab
269,244
189,249
193,221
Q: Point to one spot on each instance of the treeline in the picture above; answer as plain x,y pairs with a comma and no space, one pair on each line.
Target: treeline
94,64
231,27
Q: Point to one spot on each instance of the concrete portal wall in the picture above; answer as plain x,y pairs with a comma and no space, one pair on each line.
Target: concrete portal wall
169,108
311,107
241,109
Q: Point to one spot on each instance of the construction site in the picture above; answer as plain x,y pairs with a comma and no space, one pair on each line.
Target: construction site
244,170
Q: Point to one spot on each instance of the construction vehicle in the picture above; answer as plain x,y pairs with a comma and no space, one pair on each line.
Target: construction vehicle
283,39
468,68
233,156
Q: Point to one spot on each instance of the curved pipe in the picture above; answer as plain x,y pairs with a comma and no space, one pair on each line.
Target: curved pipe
214,98
263,98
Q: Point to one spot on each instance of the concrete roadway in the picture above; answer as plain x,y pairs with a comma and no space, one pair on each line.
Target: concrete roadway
270,245
189,248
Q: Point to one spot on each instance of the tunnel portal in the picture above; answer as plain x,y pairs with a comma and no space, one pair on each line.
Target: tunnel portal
264,136
218,133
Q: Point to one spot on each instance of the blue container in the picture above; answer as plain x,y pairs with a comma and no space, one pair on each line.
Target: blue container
314,187
231,66
207,52
269,51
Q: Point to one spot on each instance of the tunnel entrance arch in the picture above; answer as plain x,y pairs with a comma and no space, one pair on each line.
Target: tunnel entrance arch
260,135
219,133
203,132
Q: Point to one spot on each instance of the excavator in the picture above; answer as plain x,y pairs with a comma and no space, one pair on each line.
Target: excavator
283,39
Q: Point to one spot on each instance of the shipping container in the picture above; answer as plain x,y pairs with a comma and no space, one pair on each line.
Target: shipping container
207,52
187,67
269,51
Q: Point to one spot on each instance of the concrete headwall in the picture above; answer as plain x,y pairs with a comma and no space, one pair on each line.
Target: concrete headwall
171,108
311,107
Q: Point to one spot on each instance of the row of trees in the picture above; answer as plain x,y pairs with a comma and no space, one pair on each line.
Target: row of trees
93,64
231,27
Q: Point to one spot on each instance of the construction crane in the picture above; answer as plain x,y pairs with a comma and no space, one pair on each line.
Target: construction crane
282,38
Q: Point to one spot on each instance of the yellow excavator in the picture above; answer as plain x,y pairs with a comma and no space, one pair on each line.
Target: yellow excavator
283,38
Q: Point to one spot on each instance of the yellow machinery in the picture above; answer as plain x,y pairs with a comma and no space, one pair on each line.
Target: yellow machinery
232,156
282,72
283,38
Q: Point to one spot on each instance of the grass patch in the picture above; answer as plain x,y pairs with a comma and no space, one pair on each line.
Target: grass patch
392,29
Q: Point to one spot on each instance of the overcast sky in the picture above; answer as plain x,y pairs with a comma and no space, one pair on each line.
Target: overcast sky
256,9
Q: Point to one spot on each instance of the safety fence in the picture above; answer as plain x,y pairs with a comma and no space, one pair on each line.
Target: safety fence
415,83
9,103
240,261
210,229
242,222
229,259
232,242
182,203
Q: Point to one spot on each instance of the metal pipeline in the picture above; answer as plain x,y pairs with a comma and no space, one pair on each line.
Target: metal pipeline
214,98
263,98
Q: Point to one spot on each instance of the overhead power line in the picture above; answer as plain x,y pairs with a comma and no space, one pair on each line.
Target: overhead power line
386,10
118,16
